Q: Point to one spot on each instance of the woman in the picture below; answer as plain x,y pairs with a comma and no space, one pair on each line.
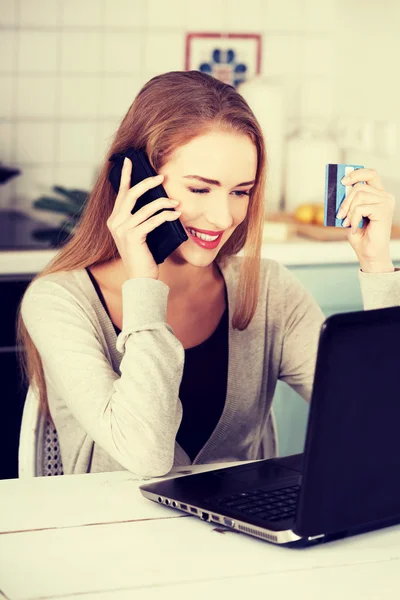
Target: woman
147,366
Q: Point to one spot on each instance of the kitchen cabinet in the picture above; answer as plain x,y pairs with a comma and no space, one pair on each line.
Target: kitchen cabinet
13,390
336,289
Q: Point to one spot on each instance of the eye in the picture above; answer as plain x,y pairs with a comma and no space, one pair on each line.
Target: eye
199,190
239,193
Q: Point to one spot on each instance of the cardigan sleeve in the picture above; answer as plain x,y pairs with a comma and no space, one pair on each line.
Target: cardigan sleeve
134,415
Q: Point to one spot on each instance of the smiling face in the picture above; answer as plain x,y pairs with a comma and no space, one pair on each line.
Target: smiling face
211,176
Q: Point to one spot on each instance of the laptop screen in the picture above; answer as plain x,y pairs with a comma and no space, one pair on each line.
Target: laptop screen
352,452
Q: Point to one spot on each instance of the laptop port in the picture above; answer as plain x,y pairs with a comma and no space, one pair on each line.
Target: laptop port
183,506
159,499
173,504
215,518
166,501
229,522
193,510
205,516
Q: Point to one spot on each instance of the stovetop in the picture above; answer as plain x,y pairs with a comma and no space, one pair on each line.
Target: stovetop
17,232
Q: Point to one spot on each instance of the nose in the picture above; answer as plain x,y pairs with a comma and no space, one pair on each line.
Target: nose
218,212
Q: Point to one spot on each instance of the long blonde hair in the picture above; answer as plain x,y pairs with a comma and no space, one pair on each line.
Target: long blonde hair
169,111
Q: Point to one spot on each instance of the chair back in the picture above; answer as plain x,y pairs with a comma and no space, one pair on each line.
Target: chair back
39,449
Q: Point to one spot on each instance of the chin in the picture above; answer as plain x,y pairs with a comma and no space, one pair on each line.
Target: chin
197,257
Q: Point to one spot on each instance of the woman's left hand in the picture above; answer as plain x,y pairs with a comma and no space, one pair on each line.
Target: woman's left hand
371,243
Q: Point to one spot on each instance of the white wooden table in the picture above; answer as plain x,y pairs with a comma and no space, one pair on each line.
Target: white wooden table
95,536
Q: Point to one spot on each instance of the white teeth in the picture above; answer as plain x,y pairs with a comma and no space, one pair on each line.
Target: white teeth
203,236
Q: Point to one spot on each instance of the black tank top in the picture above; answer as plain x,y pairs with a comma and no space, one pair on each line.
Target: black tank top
203,386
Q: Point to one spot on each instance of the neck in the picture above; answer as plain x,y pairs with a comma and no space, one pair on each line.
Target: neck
182,278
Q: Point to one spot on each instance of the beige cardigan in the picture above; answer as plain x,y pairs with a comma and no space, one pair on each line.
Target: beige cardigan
114,401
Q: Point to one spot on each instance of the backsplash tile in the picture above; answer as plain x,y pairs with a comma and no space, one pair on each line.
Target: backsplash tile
123,52
285,15
8,13
105,133
8,51
317,100
167,15
83,177
33,182
78,13
81,51
7,84
317,56
79,96
281,55
38,51
125,13
250,19
35,143
76,143
207,15
117,94
47,16
157,60
6,142
35,96
318,16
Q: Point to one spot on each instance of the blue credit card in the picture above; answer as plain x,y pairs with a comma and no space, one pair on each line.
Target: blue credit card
336,192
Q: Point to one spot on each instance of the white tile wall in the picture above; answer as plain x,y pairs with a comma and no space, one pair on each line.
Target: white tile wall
117,94
29,15
35,97
37,52
8,47
123,52
81,51
79,97
172,14
71,68
127,13
6,97
78,13
8,12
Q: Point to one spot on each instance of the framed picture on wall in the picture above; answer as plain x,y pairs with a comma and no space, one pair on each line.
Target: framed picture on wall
231,57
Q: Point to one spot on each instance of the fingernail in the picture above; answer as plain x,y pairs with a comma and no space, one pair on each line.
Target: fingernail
345,180
345,222
160,176
340,213
174,202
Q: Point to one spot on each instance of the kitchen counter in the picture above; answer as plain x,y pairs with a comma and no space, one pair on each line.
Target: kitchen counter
95,536
299,251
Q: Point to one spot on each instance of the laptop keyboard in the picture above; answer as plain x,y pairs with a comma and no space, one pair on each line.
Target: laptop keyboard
271,505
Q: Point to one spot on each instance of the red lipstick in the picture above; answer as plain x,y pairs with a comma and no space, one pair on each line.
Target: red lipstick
208,245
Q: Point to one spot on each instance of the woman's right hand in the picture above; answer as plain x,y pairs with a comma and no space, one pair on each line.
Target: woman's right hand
130,231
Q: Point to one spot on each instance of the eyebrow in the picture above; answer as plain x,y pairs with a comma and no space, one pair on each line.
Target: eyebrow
214,181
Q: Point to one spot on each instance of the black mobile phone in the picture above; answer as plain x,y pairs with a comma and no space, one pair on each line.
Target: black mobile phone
165,238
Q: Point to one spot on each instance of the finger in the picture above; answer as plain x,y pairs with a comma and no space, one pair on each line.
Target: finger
357,193
130,197
370,176
124,184
358,212
148,210
125,181
153,222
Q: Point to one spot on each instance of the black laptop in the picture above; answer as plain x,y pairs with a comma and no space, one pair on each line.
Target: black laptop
347,481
